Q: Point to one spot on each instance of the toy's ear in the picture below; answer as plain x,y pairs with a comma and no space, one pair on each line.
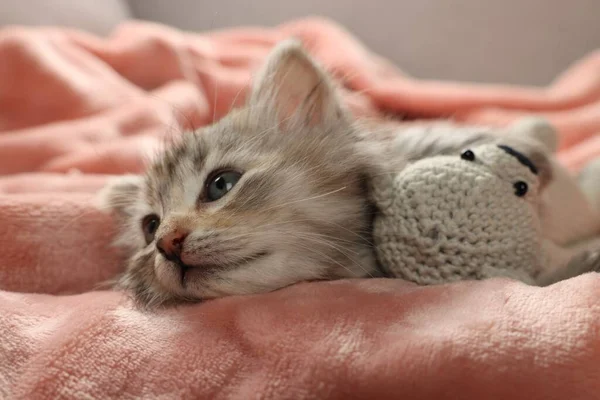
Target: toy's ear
537,139
540,157
537,129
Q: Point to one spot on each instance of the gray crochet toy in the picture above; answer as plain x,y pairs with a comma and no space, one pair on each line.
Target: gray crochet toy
473,215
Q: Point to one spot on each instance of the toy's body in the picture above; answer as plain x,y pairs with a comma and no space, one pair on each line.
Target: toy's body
473,215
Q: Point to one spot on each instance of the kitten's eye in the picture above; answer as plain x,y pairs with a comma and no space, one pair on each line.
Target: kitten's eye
150,224
520,188
220,183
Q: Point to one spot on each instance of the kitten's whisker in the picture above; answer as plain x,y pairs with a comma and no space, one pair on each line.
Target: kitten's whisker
242,88
257,229
333,238
312,250
353,260
319,240
215,102
176,110
306,199
367,240
73,220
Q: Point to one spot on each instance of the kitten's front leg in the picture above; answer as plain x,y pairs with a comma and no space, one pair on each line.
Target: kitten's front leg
582,263
519,275
586,261
568,262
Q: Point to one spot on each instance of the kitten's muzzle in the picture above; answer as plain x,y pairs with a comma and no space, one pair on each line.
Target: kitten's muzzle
170,245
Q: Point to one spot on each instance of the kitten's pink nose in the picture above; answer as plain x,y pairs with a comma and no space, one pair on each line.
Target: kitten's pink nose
170,244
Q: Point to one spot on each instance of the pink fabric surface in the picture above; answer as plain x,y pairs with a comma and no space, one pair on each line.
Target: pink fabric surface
75,109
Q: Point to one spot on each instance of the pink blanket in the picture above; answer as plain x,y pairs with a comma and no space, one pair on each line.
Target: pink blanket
75,109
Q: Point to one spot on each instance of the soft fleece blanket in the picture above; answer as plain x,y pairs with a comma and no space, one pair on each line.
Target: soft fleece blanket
75,109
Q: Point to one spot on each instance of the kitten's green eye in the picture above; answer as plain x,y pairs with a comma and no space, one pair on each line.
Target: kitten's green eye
220,183
150,224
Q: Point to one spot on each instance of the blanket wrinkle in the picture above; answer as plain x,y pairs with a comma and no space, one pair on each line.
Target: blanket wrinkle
76,109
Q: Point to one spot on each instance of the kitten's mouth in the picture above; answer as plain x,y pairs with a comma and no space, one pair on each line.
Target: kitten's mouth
205,269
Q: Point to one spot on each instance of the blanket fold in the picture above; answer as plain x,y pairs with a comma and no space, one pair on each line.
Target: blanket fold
76,109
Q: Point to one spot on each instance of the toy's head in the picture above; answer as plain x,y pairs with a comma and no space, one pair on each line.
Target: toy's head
457,217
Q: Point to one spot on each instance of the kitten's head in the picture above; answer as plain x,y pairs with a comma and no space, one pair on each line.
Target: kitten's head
271,195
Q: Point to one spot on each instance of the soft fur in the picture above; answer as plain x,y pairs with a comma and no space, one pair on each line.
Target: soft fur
300,211
300,201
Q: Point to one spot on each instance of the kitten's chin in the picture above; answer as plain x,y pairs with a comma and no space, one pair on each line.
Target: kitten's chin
248,278
274,272
199,283
265,274
170,277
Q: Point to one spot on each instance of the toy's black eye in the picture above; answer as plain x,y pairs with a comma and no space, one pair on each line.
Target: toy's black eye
520,188
220,183
150,224
468,155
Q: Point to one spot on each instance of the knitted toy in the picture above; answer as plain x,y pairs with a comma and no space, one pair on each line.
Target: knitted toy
471,215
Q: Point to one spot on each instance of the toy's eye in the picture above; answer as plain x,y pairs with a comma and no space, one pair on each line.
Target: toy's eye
520,188
468,155
220,183
150,224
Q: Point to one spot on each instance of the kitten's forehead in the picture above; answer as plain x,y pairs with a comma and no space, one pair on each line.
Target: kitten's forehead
244,141
177,161
179,172
224,136
189,147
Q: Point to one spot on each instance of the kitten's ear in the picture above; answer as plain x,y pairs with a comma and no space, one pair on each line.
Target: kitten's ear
120,195
292,87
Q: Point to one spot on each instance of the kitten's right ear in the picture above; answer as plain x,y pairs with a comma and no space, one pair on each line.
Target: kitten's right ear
120,195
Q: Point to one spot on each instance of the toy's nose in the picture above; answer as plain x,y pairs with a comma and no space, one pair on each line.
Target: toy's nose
170,244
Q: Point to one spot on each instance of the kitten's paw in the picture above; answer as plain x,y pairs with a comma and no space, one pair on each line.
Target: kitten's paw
586,261
589,181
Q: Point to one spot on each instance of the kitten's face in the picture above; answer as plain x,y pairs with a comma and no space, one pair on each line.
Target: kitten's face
271,195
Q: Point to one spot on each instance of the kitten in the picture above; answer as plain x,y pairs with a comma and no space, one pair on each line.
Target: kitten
273,194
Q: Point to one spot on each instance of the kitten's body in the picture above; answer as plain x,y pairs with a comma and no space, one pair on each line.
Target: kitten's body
300,210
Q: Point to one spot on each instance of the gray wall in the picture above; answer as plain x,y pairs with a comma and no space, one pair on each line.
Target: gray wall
507,41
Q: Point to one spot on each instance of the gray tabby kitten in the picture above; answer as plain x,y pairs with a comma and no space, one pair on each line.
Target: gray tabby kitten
273,194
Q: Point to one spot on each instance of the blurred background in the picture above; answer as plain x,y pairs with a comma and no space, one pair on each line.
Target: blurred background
507,41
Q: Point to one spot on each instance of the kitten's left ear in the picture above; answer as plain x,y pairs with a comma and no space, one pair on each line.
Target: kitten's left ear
120,196
291,87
